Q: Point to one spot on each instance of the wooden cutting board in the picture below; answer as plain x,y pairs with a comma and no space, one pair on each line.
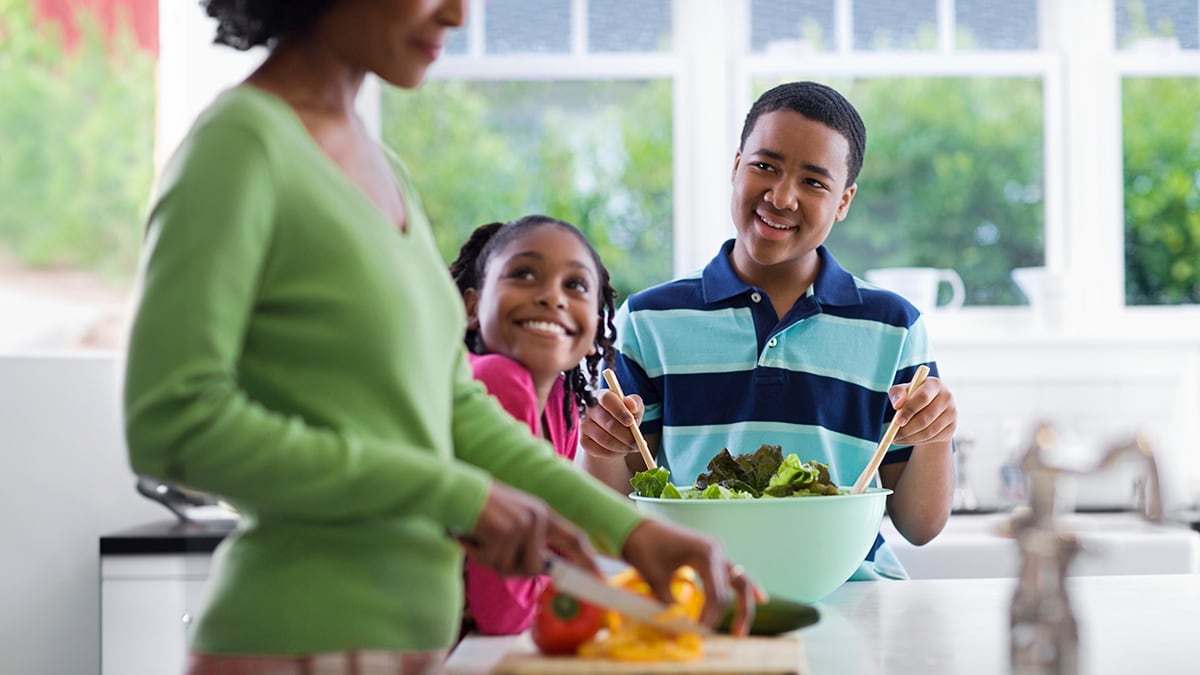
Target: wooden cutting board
722,654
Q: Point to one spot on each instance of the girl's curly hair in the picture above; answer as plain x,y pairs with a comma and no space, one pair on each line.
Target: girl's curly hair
470,268
243,24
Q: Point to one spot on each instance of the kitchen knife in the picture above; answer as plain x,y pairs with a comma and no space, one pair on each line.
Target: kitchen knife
579,582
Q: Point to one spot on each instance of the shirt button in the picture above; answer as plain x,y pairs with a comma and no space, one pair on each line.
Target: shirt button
755,297
772,342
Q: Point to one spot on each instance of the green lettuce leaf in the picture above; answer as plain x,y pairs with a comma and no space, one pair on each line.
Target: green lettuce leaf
796,478
793,472
750,472
651,482
722,492
761,465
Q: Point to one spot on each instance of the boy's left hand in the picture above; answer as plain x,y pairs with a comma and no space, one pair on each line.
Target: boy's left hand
930,416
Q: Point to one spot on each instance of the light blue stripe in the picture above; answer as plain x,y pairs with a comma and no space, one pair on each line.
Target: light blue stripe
691,448
652,411
695,341
826,345
845,349
918,348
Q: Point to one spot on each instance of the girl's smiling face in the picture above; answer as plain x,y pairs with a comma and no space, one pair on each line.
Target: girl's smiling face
538,301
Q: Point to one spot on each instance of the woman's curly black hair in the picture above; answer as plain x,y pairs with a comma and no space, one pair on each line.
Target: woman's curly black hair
243,24
470,268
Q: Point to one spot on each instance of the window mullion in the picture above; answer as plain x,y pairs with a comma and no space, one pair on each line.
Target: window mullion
843,26
1089,245
476,22
579,27
946,26
704,128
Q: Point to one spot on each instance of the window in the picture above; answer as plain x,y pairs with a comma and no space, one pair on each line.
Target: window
1031,133
953,98
76,116
555,107
952,179
1025,135
1160,94
589,152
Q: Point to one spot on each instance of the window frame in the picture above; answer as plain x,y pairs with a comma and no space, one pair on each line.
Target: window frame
1081,71
1182,320
711,69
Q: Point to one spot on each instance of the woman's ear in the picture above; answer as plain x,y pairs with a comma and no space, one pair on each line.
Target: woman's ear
471,300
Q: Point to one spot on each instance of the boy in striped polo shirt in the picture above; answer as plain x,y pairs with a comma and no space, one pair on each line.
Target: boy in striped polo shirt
774,342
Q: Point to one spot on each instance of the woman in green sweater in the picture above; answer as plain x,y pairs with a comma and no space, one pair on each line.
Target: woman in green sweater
297,349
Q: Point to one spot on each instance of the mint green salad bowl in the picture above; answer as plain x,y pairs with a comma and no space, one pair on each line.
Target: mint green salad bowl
798,548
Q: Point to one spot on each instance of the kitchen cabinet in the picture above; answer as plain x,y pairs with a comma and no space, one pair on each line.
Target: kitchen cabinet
153,583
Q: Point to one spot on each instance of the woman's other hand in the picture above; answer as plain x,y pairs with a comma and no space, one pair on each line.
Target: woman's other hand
656,549
514,531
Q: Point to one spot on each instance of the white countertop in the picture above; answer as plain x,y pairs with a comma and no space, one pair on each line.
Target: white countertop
1128,624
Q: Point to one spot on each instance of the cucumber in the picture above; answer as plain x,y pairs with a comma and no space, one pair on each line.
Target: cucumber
776,616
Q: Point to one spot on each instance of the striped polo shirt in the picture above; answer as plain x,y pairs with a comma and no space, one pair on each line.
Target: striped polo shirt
717,369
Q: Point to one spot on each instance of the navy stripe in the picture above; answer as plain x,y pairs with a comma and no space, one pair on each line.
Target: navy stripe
874,547
684,293
877,305
772,395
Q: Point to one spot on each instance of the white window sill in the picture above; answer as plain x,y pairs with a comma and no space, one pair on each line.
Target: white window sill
1018,326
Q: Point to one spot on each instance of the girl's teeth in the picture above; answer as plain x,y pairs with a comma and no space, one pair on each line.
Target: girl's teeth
544,326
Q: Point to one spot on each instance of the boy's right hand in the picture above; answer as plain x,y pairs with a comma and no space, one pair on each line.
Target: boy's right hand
607,432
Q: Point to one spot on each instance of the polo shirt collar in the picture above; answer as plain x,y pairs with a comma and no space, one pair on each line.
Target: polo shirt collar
834,285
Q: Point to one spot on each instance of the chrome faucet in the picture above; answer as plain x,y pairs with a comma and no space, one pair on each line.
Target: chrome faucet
964,500
1044,633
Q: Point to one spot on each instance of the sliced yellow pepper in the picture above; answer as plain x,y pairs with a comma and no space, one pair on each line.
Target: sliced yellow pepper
633,641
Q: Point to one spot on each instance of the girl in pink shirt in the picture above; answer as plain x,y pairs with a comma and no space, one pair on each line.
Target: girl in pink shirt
539,323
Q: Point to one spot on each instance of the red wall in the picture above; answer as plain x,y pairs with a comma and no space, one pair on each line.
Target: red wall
141,14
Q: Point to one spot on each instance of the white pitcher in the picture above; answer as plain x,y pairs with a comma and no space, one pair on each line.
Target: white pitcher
920,285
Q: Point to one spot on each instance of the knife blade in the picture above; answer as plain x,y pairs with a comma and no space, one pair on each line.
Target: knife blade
579,582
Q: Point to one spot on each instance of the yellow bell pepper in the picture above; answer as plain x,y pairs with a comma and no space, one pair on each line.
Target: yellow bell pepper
633,641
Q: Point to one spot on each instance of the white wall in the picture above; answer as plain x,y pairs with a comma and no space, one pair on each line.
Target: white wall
64,482
1103,390
191,71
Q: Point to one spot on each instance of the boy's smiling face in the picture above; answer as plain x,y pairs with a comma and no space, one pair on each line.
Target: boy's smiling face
788,191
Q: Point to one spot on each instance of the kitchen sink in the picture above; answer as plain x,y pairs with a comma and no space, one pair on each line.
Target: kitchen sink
975,546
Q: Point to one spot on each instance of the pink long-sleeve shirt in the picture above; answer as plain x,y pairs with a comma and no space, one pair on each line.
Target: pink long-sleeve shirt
502,605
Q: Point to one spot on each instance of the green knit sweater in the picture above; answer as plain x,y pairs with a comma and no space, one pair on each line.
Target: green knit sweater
295,353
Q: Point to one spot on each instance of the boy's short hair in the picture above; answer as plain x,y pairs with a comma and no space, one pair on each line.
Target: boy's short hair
819,103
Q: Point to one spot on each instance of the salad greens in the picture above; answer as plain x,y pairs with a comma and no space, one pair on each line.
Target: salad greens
762,473
651,482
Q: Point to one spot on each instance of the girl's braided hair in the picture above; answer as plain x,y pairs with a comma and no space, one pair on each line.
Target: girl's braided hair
470,268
